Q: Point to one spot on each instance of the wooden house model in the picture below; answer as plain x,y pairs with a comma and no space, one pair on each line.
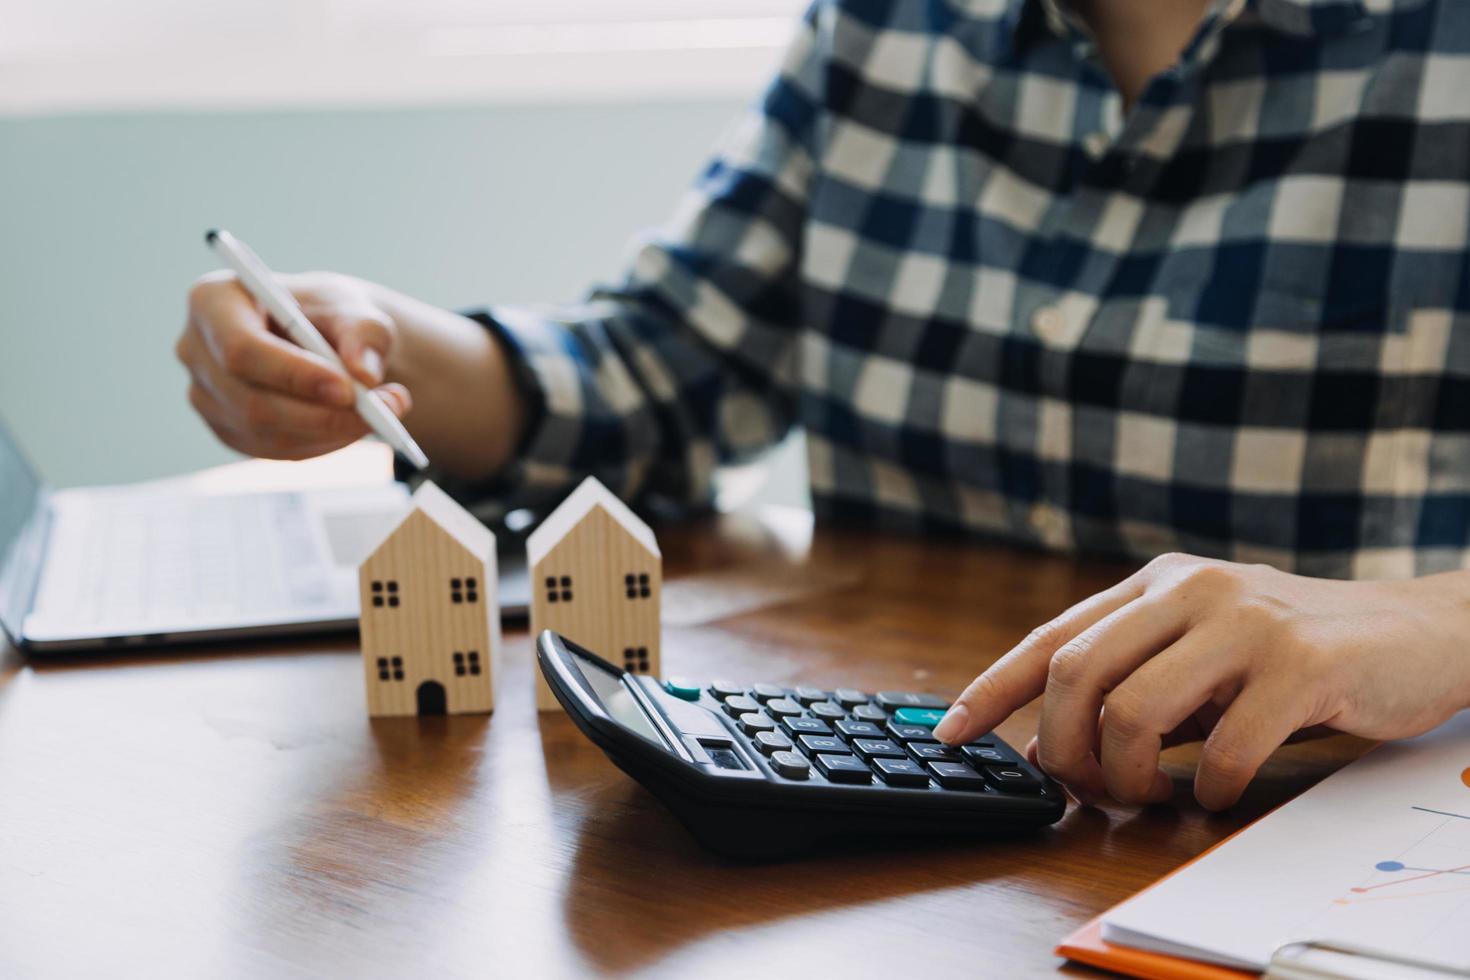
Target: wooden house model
596,575
430,621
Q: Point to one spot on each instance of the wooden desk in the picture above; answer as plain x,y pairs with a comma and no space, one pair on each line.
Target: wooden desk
235,813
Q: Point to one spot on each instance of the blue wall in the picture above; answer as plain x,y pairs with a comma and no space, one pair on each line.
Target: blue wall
101,221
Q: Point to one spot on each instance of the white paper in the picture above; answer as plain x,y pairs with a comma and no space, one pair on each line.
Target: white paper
1377,855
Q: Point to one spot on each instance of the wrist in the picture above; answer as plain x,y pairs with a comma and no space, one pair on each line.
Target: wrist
468,411
1445,598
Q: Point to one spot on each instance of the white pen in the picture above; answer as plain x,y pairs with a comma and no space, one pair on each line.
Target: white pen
258,280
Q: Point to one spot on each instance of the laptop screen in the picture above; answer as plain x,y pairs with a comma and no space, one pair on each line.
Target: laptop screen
21,514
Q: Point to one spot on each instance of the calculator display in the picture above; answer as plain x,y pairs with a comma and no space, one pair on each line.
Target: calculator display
617,700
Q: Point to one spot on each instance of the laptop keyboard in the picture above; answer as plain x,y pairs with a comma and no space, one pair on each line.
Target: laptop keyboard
155,558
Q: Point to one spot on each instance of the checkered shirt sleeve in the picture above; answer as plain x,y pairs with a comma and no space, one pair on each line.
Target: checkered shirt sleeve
687,364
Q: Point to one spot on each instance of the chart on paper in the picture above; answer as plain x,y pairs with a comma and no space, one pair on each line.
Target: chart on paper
1377,855
1417,892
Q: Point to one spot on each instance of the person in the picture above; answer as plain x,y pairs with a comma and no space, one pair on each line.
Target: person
1174,281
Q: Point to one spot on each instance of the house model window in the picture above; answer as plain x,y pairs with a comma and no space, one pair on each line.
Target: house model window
636,586
558,589
635,660
464,590
385,593
467,663
390,668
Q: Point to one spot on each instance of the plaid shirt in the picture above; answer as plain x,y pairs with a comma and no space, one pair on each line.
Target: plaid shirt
1230,321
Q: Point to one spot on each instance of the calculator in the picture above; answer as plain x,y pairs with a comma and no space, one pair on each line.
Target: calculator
765,770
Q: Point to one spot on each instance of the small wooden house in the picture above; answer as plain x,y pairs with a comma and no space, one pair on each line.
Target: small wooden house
430,622
596,575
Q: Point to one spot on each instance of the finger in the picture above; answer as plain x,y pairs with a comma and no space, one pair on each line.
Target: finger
397,398
1031,757
361,336
235,333
216,416
252,444
1020,675
1083,670
1255,725
1156,701
252,411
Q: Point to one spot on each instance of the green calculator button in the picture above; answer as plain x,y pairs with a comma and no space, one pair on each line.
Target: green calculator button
928,717
682,689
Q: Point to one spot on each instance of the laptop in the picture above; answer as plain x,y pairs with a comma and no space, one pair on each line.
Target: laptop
150,565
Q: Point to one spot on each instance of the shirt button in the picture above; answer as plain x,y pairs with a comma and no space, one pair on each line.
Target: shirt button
1096,144
1048,323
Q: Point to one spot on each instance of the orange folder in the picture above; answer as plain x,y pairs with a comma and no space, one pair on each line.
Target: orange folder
1087,945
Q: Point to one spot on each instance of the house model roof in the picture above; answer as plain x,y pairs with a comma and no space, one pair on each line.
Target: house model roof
581,502
457,522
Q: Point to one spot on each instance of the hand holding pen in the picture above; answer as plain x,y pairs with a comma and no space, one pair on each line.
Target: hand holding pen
265,395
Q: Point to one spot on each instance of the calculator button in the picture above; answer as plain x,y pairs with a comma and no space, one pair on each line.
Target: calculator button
910,733
725,689
858,729
901,772
989,755
956,775
781,707
682,689
806,695
928,717
822,743
740,705
827,710
766,692
790,765
844,769
870,712
870,748
805,726
769,742
934,752
847,697
755,722
893,700
1012,779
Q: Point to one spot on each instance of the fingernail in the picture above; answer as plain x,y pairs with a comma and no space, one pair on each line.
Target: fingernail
372,364
332,391
952,724
398,395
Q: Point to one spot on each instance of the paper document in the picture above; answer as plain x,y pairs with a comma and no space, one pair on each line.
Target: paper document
1377,855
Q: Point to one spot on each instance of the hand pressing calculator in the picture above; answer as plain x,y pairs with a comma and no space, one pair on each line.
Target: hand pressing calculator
762,770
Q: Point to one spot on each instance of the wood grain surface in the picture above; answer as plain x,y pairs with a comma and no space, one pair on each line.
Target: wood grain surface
234,812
